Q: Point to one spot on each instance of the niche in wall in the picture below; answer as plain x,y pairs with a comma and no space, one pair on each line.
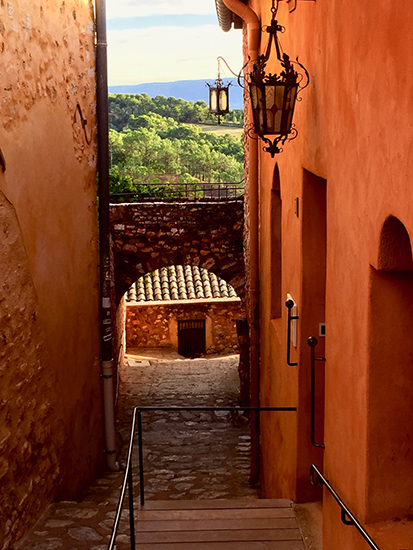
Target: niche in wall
390,388
276,246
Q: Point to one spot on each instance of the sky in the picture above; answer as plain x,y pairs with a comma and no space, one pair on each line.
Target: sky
167,40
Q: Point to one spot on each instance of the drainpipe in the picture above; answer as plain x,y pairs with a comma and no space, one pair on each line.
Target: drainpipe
254,35
104,240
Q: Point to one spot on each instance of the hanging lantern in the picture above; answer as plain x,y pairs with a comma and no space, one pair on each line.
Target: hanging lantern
273,96
218,96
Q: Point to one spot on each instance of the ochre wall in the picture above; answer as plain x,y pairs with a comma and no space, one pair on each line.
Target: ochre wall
354,133
157,325
49,206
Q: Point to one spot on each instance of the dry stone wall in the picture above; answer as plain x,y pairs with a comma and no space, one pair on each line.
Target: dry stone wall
156,325
28,457
148,236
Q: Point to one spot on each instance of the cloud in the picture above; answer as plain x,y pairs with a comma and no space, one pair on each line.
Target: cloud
143,8
173,20
165,54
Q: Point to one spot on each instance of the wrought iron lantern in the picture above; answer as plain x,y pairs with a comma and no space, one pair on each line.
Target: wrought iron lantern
219,96
273,96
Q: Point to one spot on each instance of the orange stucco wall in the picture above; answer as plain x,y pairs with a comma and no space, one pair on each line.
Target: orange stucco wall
47,66
354,134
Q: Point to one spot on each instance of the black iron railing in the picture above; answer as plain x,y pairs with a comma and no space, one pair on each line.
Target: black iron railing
289,304
347,517
181,191
127,484
312,342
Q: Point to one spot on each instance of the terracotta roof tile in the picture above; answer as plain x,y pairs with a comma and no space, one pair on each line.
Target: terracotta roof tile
179,283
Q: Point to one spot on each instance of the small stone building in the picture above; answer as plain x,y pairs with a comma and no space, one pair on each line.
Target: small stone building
184,307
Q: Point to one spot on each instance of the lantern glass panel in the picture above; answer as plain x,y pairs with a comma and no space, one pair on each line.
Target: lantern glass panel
269,103
213,100
274,105
254,95
277,123
280,91
223,100
290,98
269,96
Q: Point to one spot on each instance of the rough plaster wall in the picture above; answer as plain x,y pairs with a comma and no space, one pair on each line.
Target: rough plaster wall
48,53
155,326
28,461
47,67
147,236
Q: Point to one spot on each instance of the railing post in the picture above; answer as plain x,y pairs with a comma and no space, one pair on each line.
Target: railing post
141,479
131,508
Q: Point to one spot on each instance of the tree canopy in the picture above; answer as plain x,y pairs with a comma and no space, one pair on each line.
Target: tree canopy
125,108
154,140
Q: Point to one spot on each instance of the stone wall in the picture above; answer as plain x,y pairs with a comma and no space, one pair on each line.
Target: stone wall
51,433
28,459
156,325
148,236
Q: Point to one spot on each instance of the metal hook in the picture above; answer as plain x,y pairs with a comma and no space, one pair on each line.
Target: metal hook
2,161
83,122
314,477
344,517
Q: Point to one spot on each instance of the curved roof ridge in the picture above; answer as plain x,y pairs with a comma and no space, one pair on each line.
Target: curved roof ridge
179,282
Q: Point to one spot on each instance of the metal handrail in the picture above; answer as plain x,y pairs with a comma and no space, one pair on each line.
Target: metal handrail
127,480
182,191
345,512
289,304
127,483
312,342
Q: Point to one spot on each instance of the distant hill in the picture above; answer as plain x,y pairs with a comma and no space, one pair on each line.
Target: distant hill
189,90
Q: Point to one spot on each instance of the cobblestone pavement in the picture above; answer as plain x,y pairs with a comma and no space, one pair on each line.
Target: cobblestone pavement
187,455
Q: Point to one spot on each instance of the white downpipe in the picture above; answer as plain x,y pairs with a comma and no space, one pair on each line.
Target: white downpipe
254,34
109,413
104,242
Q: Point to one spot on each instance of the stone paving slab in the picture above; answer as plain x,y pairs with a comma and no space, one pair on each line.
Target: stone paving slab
187,456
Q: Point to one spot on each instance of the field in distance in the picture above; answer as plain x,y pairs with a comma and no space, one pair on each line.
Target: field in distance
222,129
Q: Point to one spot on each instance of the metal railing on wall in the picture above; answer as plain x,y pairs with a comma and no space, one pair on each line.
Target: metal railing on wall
136,429
150,192
347,517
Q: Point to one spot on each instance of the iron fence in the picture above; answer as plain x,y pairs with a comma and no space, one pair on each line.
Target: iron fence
180,191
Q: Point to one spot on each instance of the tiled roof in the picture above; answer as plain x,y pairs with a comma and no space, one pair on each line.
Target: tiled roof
179,282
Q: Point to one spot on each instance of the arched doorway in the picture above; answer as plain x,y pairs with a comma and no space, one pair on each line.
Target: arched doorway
183,307
390,384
